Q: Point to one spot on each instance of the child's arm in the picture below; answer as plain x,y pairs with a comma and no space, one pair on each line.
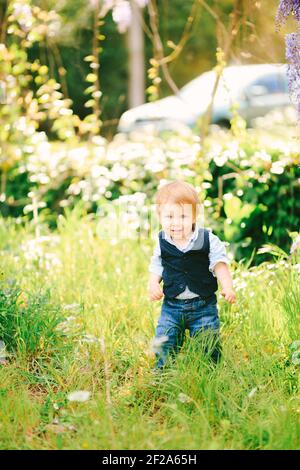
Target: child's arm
155,269
155,278
223,274
218,265
155,290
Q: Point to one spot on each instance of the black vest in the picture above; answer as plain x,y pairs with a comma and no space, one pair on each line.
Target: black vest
187,269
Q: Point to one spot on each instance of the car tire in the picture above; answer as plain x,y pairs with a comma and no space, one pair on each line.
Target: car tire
224,123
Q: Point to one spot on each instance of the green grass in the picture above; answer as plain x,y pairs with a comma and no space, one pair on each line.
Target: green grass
250,401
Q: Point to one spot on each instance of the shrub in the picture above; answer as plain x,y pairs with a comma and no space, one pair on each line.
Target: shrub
29,324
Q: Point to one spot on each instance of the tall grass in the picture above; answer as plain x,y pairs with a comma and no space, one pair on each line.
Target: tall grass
98,289
29,324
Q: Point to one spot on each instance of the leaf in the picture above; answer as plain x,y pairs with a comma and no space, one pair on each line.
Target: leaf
273,250
232,207
89,58
91,77
43,70
230,231
89,89
89,104
246,210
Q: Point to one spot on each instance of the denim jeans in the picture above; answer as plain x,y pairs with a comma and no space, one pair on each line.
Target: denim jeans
196,315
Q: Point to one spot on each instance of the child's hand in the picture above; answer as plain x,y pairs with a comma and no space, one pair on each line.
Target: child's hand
155,291
229,295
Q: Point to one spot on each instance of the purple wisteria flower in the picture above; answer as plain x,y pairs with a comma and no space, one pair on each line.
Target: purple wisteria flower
292,43
286,8
293,73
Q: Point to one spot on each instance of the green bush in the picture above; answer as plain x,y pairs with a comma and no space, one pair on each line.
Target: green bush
250,183
29,324
254,193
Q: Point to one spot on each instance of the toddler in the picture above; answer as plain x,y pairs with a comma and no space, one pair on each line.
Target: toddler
189,259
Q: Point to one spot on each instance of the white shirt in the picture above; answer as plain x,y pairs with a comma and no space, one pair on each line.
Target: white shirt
217,253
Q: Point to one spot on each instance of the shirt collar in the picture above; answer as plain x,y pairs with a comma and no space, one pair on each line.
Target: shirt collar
192,238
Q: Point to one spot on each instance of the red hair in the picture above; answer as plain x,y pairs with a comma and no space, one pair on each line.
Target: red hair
178,192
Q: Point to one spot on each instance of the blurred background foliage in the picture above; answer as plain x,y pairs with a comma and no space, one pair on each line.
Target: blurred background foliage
72,41
53,157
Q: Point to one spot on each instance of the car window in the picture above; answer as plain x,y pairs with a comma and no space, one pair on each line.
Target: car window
234,83
273,83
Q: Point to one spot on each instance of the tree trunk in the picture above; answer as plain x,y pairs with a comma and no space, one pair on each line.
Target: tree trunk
136,89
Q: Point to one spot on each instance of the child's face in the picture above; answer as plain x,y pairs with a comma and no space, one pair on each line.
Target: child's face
177,220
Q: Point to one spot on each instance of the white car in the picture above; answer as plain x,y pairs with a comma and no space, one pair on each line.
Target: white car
256,89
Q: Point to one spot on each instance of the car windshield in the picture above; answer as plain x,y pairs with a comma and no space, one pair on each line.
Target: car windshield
231,82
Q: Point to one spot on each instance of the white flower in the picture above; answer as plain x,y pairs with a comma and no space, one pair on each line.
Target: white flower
79,395
23,15
90,339
277,168
122,15
239,286
71,306
282,408
184,398
220,160
252,392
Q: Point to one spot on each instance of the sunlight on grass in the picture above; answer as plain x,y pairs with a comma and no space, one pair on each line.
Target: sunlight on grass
77,319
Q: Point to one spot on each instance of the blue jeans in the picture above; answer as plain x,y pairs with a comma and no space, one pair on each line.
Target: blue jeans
196,315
